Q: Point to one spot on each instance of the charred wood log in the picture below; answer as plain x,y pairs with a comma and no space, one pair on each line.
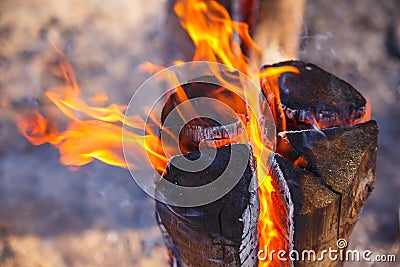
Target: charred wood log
329,172
315,98
221,233
331,186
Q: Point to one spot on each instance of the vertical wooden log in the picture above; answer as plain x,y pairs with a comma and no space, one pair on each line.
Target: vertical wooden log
315,215
347,169
329,172
331,186
221,233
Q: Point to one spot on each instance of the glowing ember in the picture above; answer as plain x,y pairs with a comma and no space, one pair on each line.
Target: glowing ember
368,111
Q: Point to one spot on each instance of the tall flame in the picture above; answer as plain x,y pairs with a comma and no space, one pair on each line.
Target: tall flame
95,131
212,31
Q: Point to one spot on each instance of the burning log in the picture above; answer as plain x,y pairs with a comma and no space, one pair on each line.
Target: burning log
330,189
348,169
329,172
315,98
223,232
316,201
322,176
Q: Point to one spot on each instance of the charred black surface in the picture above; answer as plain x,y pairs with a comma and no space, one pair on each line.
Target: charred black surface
222,233
315,95
206,128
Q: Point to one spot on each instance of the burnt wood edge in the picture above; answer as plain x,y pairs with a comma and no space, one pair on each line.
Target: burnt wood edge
281,186
314,98
315,208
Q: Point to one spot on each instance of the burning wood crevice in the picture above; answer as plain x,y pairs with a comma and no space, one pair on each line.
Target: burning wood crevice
203,129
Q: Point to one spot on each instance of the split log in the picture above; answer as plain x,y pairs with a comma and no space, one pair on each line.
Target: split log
328,172
221,233
313,221
347,169
329,190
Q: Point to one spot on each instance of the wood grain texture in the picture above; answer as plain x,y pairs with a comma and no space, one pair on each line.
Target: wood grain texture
331,187
221,233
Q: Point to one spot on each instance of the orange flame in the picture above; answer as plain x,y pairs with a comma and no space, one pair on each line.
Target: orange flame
37,129
211,29
95,131
368,112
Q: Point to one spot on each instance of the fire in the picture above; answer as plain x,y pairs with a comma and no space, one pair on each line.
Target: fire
94,131
368,112
212,30
269,79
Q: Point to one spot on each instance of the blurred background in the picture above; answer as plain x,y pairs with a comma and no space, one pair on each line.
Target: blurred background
96,215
